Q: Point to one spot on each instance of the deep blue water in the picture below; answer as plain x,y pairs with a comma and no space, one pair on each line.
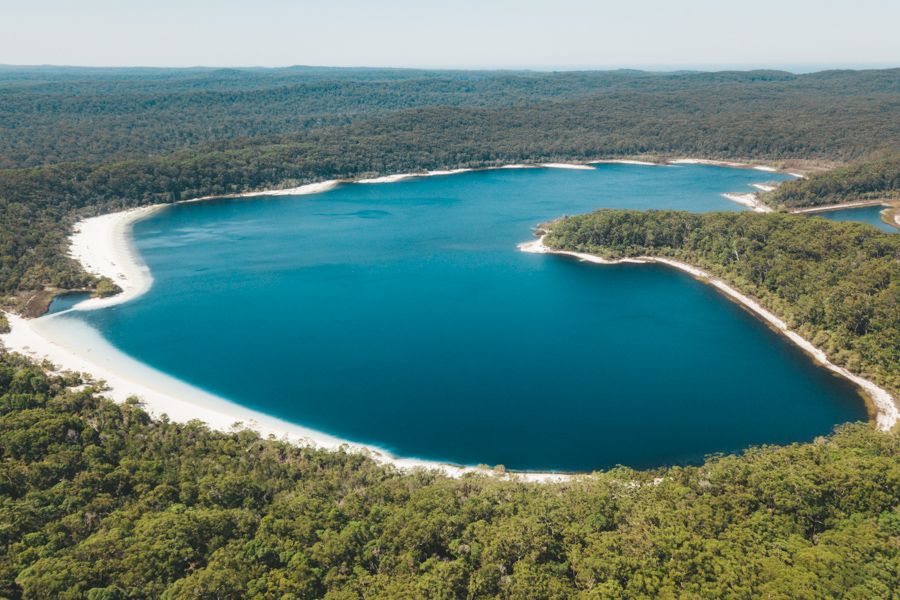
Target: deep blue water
403,316
66,301
866,214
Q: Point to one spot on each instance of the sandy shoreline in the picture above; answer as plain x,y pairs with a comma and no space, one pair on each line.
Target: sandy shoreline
104,247
74,346
750,200
830,207
887,412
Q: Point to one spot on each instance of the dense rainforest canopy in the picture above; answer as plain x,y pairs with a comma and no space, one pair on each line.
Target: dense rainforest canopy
837,284
75,142
98,500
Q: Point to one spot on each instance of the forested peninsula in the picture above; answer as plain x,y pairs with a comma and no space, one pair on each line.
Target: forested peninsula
836,284
874,179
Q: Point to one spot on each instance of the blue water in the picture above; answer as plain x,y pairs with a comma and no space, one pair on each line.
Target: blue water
403,316
866,214
66,301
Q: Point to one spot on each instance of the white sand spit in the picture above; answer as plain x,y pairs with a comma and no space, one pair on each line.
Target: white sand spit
576,166
303,190
706,161
389,178
829,207
103,246
447,172
642,163
749,200
887,411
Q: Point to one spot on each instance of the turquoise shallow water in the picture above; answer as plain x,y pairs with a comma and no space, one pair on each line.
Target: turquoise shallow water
403,316
866,214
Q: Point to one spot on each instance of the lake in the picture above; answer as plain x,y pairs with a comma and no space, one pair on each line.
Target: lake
402,316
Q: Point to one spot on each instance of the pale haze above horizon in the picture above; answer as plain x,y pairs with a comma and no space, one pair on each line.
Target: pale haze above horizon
460,34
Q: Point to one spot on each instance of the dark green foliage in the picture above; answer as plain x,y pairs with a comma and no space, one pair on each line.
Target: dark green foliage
54,115
877,179
105,287
83,141
99,501
837,284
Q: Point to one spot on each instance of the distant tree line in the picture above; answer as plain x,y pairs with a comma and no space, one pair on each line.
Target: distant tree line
54,115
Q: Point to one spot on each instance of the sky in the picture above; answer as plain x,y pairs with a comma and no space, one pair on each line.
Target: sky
452,34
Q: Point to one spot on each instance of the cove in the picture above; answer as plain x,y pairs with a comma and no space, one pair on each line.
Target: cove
402,316
865,214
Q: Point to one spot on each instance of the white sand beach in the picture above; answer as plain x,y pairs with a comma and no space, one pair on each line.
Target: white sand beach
830,207
575,166
447,172
72,345
303,190
388,178
749,200
887,413
763,187
706,161
402,176
642,163
103,246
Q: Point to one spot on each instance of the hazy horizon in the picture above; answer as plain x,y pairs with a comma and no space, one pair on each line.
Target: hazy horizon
650,68
567,35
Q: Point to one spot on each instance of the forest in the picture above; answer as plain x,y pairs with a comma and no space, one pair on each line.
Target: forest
875,179
837,284
100,501
78,142
52,115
